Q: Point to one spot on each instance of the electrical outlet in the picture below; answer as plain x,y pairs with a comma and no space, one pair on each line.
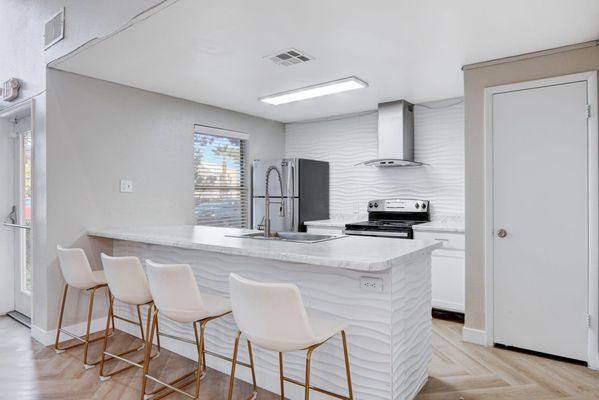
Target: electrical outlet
371,284
126,186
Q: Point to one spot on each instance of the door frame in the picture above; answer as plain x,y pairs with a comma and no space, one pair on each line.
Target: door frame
593,201
25,107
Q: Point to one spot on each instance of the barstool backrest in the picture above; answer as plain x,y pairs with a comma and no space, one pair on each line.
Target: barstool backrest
174,289
126,279
75,268
270,314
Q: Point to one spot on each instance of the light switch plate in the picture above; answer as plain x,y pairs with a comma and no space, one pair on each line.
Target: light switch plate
371,284
126,186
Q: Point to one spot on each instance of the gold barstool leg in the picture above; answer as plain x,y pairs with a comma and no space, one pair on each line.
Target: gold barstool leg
281,375
81,341
108,319
149,328
60,315
90,311
251,357
106,356
199,346
167,387
307,385
234,364
346,354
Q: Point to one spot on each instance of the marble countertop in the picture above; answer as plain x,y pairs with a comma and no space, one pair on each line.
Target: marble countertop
449,224
349,252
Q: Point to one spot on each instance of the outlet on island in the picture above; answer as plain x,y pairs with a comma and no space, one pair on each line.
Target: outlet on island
126,186
371,284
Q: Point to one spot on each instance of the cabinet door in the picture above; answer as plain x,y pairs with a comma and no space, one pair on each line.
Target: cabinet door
448,280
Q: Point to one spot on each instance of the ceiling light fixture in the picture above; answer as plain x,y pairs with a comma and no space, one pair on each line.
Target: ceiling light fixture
310,92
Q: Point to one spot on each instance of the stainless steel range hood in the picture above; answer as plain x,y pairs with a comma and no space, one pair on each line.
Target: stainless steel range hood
395,136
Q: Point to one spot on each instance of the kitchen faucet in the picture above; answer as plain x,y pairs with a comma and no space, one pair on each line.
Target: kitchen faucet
267,200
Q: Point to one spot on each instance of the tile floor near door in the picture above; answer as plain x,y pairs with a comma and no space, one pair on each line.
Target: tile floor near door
458,370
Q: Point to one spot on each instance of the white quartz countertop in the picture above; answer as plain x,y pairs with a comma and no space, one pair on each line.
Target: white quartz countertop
449,224
349,252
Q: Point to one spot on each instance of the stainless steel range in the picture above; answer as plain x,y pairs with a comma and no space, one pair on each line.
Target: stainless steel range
391,218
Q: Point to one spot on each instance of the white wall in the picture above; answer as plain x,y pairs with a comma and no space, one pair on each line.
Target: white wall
23,57
439,141
99,133
22,30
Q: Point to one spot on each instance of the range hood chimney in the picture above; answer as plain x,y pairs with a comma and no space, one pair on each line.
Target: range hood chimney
395,136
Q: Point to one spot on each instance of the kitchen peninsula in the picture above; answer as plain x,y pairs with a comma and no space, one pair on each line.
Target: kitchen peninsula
381,287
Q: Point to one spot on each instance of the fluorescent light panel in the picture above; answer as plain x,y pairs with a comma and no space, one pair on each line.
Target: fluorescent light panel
310,92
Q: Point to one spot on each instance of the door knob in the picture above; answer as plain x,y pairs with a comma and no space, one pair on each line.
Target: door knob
501,233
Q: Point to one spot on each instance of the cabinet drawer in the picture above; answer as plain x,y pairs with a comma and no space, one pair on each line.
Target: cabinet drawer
449,240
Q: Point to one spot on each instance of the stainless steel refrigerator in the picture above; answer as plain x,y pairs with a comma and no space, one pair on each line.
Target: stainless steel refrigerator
305,193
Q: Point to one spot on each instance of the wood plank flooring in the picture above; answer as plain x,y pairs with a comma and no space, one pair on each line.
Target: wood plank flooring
458,371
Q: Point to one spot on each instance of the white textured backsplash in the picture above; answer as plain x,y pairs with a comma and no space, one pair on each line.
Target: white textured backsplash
439,142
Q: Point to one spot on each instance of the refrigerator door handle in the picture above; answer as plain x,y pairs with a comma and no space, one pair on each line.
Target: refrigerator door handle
291,194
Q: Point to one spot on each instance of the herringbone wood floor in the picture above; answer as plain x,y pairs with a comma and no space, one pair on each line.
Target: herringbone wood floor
458,370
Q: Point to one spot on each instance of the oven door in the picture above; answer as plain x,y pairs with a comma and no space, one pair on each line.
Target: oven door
387,234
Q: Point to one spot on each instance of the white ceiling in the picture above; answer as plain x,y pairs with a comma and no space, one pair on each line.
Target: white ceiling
211,51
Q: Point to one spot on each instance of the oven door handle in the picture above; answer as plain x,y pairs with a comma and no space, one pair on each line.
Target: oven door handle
379,234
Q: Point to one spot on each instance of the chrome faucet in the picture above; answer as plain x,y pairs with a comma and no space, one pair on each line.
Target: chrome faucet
267,200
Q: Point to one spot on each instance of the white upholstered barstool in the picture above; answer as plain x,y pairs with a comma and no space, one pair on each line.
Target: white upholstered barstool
273,316
128,284
177,297
78,274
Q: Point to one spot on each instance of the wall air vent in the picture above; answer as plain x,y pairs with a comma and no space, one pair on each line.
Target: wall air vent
54,29
289,57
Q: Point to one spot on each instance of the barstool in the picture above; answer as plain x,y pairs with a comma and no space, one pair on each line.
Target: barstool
78,274
128,284
273,316
178,298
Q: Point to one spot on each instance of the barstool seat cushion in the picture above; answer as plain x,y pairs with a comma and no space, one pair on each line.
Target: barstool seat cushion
76,269
126,279
214,306
322,330
99,277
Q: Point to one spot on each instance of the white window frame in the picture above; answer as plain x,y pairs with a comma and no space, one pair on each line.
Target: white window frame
231,134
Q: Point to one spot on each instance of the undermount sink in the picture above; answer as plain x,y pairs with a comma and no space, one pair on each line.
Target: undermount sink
299,237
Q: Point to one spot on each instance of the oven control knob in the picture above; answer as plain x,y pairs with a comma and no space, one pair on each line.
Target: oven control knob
424,206
369,205
376,205
417,205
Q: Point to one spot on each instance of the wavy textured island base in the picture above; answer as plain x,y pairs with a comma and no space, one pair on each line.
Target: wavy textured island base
389,330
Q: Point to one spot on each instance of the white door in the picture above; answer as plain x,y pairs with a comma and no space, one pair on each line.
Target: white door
540,199
22,227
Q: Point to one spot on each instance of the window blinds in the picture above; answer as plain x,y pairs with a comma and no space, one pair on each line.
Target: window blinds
221,185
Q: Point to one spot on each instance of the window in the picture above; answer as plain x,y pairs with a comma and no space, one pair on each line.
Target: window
221,192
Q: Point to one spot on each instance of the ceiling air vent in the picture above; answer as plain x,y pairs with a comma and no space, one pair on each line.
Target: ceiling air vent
289,57
54,29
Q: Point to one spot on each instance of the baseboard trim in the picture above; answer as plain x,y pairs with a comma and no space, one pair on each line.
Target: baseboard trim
47,338
448,306
475,336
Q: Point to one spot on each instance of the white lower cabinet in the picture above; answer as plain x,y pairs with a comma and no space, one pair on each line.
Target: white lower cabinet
448,270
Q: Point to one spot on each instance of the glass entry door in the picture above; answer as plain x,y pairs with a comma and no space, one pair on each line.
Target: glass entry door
22,223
